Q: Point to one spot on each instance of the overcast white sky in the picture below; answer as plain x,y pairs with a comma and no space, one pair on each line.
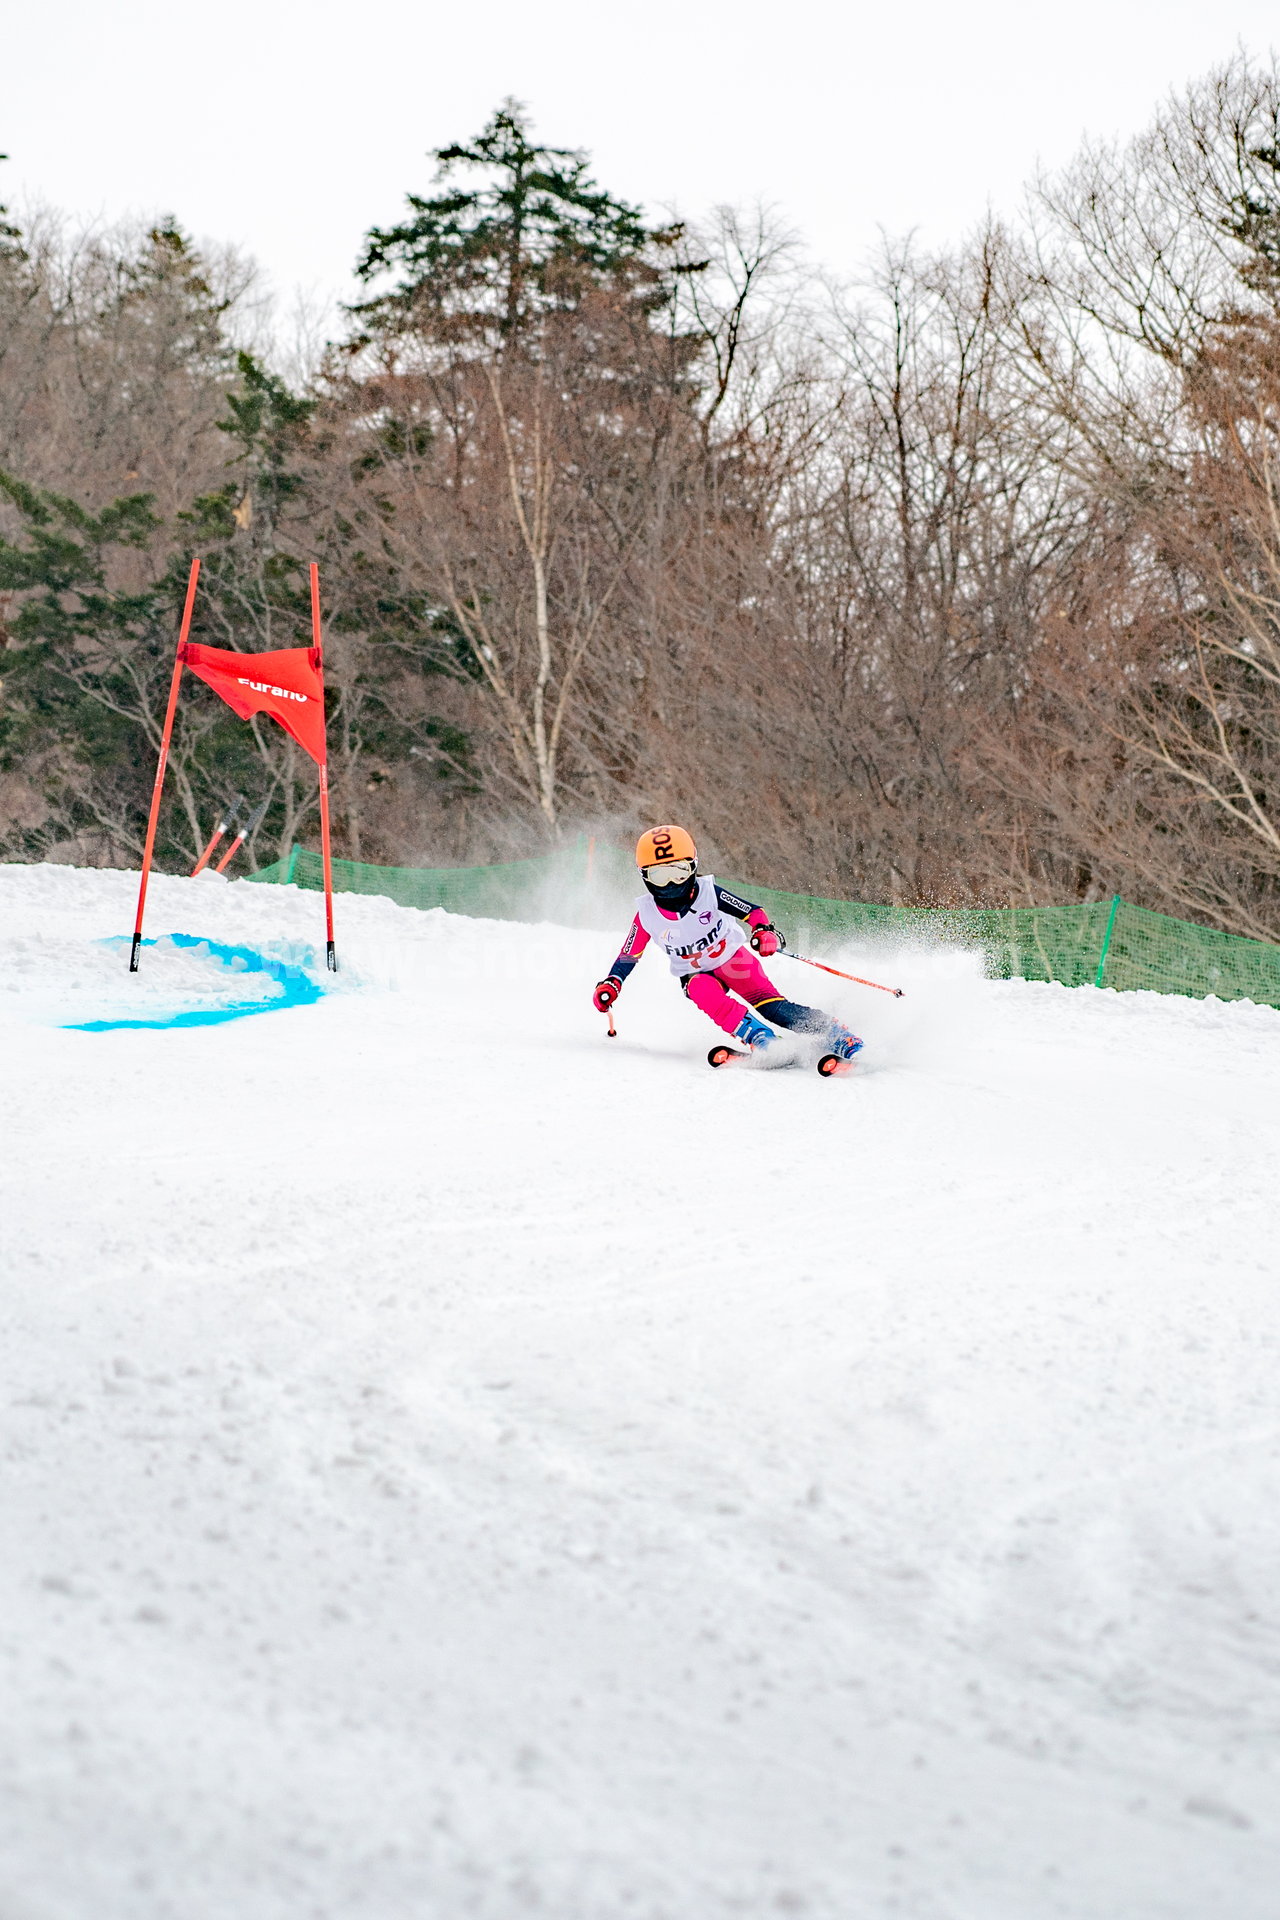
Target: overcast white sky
290,126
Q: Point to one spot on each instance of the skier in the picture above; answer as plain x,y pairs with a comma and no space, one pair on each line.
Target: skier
701,926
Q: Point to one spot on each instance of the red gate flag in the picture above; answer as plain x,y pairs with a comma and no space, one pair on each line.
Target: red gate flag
289,685
286,684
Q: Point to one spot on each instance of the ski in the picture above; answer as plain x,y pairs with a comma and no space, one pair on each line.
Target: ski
829,1065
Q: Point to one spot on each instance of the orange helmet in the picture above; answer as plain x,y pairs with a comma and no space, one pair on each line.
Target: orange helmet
661,844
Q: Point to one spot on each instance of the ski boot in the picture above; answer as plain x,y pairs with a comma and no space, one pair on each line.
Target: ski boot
753,1033
838,1050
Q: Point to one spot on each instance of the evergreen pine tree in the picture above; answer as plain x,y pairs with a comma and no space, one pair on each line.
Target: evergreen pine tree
527,233
10,236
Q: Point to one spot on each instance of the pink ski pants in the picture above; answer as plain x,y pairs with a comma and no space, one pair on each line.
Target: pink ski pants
743,973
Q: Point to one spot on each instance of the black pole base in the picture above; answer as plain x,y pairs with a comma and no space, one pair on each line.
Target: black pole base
331,957
133,957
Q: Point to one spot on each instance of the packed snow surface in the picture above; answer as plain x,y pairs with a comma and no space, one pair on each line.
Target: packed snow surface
459,1465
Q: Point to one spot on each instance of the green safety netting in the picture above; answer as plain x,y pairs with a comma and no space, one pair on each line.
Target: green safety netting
1105,943
559,886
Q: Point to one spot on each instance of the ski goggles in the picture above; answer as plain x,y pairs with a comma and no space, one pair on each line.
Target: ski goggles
672,873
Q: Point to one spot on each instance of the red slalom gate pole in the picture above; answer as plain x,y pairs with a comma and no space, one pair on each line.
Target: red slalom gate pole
225,819
230,853
331,956
163,763
856,978
214,838
242,834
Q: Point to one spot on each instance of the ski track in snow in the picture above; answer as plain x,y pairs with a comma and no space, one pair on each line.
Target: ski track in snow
456,1465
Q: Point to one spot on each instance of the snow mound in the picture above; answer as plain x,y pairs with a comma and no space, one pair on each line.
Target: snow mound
458,1465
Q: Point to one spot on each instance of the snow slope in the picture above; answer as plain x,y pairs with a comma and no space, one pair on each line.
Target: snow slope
455,1465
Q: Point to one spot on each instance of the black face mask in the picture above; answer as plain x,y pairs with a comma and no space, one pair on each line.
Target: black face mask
677,899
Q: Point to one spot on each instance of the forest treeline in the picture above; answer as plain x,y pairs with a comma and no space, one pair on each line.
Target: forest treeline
959,586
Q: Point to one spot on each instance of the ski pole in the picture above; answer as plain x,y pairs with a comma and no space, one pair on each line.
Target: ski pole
613,1031
856,978
225,819
242,834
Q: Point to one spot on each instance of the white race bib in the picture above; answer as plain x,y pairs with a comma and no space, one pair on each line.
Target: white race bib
699,940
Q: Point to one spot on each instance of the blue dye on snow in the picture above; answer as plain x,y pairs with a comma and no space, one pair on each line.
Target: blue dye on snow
299,990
